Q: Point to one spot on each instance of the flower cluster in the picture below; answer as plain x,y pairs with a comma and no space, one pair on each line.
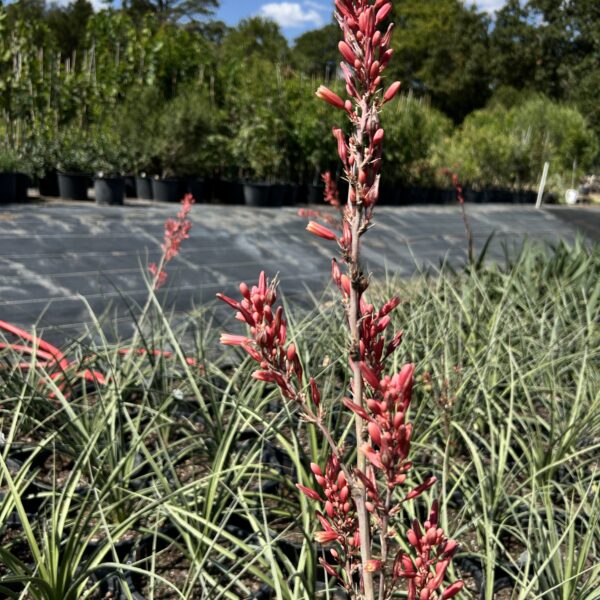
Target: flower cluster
389,432
425,573
332,194
338,518
366,52
176,230
279,363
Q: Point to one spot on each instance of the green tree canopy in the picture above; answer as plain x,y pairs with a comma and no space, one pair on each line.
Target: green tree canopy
442,49
172,10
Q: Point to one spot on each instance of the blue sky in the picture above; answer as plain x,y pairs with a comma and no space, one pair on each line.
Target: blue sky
296,16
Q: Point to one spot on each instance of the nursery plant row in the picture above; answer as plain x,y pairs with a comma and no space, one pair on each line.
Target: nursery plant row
16,187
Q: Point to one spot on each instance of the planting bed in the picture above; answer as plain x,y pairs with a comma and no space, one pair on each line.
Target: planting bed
176,480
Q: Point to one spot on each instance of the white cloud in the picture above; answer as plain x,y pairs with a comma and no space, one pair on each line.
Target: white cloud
318,6
292,14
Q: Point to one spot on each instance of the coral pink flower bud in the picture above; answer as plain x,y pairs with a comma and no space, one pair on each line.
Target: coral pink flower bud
316,469
355,408
329,509
233,303
452,590
328,567
374,406
412,538
369,376
346,52
346,285
383,12
330,97
378,137
320,231
450,548
291,352
245,290
228,339
373,457
374,70
264,376
342,146
373,566
420,488
376,39
392,91
253,352
375,433
314,393
308,492
345,492
335,271
325,537
425,594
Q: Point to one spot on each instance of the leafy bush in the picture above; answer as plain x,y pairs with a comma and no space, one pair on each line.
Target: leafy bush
10,160
309,145
508,146
413,131
187,140
76,153
258,120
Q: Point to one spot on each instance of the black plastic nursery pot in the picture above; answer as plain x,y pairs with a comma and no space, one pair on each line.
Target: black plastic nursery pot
278,193
48,185
8,188
130,191
262,195
525,197
198,188
229,192
389,194
109,191
167,190
22,187
315,193
143,188
291,193
73,186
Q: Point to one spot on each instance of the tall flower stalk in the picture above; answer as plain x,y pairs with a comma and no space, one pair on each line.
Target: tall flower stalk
359,503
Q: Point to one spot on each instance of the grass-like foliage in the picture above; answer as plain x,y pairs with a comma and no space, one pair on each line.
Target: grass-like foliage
177,480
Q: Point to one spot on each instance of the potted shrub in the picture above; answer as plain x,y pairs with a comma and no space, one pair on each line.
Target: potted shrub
110,162
259,117
310,133
42,151
75,165
9,164
136,120
185,148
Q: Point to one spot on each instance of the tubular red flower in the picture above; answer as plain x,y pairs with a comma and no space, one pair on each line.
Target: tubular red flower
346,52
330,97
320,231
228,339
309,493
383,12
452,590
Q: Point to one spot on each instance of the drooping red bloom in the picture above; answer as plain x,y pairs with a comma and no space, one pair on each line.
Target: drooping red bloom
332,195
433,553
176,230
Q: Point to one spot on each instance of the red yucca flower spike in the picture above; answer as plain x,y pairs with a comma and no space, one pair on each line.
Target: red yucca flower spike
357,504
176,230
